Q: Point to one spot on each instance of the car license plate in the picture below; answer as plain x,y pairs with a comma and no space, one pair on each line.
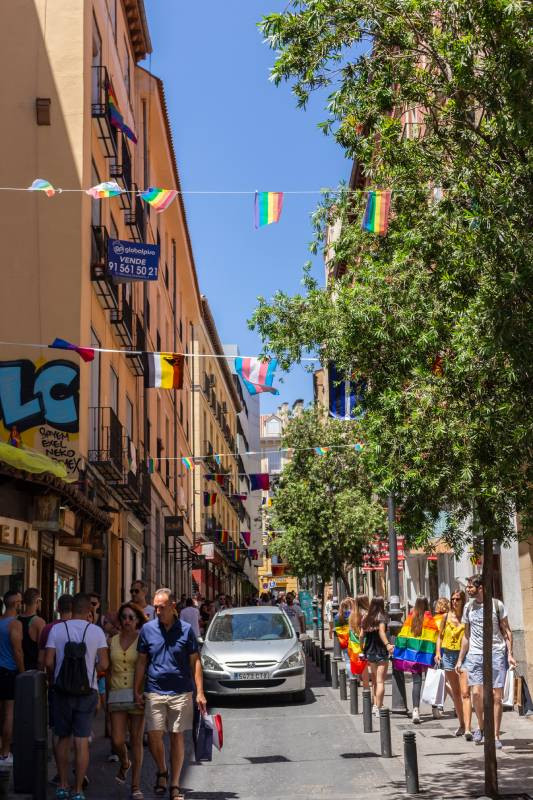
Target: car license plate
250,676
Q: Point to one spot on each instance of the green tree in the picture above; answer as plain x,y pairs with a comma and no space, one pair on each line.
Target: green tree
323,506
436,314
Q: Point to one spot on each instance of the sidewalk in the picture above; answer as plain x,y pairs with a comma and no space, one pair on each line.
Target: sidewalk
450,768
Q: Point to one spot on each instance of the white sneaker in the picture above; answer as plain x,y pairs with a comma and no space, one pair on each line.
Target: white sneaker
437,712
7,761
416,716
375,711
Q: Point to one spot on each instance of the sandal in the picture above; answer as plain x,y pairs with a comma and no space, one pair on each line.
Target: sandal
122,772
136,793
159,789
176,793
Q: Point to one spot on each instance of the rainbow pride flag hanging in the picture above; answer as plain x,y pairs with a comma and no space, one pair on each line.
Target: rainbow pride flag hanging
115,117
416,653
41,185
321,451
376,218
342,629
357,664
188,463
86,353
267,208
159,199
104,190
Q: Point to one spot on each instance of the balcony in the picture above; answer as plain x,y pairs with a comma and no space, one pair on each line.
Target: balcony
122,321
106,288
107,134
106,443
135,218
139,343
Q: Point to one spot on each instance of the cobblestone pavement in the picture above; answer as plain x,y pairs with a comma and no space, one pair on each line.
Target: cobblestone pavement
278,749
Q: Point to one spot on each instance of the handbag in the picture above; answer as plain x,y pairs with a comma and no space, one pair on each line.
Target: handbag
122,696
214,721
203,745
508,699
434,687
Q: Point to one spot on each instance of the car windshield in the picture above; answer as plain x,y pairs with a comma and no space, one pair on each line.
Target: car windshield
249,627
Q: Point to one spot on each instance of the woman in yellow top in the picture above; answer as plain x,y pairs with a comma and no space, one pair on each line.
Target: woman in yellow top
451,632
121,702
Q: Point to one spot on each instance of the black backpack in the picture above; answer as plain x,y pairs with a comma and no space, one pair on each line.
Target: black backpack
72,678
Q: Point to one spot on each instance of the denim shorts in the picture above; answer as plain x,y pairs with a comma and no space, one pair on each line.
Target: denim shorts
474,666
449,659
73,716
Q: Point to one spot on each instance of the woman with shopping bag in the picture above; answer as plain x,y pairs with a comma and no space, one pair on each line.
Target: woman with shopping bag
415,648
451,632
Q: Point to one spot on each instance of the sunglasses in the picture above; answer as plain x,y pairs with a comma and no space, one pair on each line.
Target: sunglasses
135,591
125,617
95,603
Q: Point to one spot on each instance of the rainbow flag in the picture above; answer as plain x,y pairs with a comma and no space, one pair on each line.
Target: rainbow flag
376,218
87,353
268,207
163,370
40,185
416,653
150,465
159,199
342,629
115,117
358,446
321,451
357,664
256,374
223,537
210,498
218,459
103,190
188,463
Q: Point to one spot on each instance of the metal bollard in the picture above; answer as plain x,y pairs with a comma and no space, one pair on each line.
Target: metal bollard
354,696
411,763
384,732
367,711
334,674
342,684
317,654
322,656
337,654
327,667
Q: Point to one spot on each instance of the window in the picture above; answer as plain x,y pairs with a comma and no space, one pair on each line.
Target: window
113,230
146,164
167,445
96,63
96,205
113,390
273,427
127,67
129,418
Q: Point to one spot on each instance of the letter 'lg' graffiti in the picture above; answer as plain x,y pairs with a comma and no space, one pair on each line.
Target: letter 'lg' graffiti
46,395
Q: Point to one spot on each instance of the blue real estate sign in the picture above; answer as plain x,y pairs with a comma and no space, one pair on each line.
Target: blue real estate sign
132,261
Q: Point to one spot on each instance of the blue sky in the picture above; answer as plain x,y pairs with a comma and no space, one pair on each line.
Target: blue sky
235,131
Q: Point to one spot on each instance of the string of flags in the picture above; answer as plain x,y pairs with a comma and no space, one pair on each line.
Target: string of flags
267,205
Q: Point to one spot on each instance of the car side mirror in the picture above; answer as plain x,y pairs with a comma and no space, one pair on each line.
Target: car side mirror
200,640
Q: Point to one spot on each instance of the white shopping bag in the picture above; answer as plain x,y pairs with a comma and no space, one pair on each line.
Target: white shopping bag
434,687
214,722
508,689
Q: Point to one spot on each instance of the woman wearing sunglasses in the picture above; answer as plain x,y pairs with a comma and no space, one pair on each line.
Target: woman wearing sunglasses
124,712
451,632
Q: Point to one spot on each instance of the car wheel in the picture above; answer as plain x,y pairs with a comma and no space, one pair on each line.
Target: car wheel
299,697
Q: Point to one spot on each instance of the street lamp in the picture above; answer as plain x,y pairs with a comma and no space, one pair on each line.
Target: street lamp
399,703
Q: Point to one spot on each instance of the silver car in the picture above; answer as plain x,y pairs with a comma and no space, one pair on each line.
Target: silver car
253,650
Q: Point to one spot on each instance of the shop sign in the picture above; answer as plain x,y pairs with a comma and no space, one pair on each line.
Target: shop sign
173,526
132,261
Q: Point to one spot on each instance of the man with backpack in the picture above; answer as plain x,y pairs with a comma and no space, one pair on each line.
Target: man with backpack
472,648
74,649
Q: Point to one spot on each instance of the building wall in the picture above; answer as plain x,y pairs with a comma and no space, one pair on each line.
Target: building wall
50,251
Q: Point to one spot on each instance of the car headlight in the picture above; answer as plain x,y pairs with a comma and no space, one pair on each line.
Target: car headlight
294,660
210,664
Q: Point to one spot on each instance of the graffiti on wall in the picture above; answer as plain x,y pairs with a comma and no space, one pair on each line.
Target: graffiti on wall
42,403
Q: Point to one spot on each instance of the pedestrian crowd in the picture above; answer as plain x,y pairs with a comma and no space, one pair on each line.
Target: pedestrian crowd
139,665
449,639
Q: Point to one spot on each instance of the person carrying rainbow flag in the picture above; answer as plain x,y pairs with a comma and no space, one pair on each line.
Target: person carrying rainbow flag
415,648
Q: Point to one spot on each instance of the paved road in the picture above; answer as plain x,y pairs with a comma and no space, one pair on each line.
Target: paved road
274,749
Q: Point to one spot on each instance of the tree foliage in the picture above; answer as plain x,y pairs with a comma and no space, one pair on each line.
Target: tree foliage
323,505
437,314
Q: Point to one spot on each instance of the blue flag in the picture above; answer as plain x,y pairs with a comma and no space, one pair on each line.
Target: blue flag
345,397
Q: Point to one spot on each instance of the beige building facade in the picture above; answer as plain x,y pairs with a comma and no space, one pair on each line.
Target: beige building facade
127,511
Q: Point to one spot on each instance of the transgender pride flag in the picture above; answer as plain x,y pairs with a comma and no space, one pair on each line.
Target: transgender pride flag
257,375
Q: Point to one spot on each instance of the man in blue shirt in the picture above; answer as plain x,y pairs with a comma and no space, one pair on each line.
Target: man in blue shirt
167,668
